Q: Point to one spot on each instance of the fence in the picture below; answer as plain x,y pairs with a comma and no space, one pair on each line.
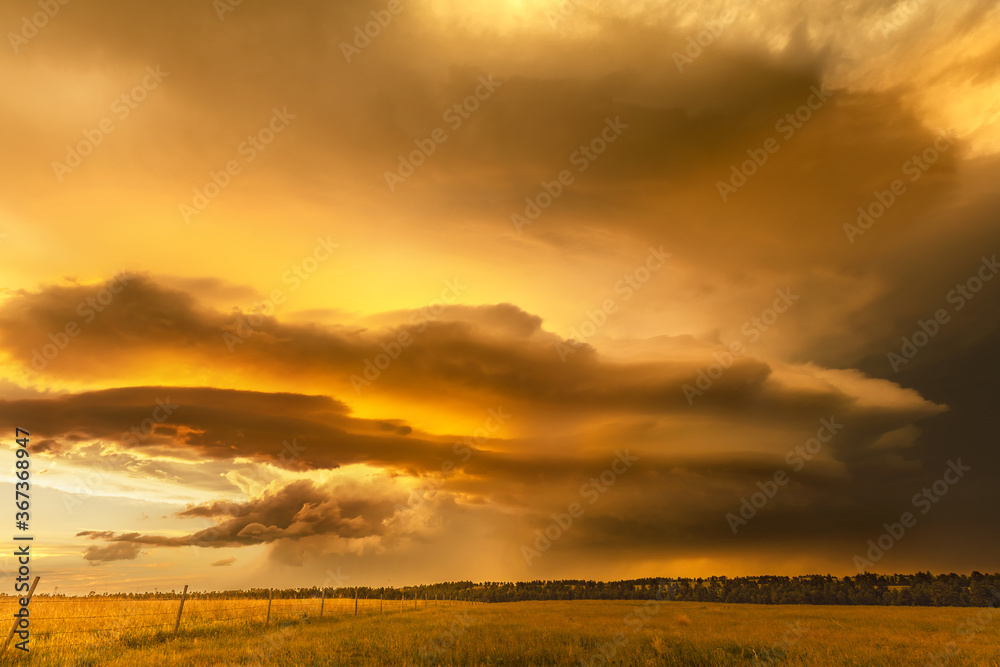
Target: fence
59,622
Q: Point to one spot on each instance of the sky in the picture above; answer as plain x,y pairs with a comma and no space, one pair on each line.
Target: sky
389,293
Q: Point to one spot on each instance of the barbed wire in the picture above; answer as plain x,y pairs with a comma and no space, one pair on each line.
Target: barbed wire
192,614
66,618
65,644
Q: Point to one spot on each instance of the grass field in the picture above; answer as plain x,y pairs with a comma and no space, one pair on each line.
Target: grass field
524,633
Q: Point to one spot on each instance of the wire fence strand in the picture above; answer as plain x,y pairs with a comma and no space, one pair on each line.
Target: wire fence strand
192,616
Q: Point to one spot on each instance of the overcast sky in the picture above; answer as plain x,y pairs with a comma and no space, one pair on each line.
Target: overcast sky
283,299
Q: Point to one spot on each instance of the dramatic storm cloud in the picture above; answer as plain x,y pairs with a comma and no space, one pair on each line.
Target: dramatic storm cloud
715,280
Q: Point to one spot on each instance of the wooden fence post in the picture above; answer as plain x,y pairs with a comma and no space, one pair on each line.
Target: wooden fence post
322,602
177,624
355,600
415,598
13,628
270,595
381,597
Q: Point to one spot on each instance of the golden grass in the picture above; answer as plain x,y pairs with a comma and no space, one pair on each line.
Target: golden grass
524,633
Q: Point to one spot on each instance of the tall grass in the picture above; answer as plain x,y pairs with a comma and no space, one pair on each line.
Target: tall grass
523,633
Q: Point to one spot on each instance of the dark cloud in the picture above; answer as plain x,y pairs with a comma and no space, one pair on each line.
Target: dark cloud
296,511
96,534
287,430
112,552
467,356
500,353
187,340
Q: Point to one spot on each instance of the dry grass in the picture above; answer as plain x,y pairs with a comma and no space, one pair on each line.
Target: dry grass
526,633
62,627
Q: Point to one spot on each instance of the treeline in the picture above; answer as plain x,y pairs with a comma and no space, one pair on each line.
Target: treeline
922,589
